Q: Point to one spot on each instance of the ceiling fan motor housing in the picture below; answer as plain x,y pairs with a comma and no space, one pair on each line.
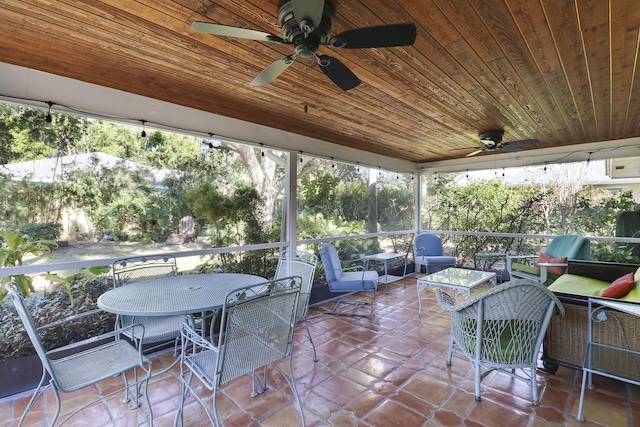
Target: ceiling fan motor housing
306,46
492,138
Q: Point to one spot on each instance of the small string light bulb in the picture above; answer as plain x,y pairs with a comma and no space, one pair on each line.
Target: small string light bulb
48,120
143,135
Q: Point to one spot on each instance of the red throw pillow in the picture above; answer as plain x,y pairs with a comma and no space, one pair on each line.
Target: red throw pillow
620,287
544,258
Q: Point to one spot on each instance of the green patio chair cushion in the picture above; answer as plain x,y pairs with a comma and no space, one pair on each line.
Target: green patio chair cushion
586,286
532,270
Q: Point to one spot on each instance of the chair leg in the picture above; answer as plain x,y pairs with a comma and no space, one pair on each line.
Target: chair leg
534,387
450,353
291,381
478,380
315,355
356,306
261,385
37,393
146,395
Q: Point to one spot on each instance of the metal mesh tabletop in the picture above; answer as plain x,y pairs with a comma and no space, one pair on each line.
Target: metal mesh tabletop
174,295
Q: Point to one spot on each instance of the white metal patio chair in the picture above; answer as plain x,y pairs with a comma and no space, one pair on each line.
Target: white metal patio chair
159,330
303,264
75,366
502,329
256,329
351,280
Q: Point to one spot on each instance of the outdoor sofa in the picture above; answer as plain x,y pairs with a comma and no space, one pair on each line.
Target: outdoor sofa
566,340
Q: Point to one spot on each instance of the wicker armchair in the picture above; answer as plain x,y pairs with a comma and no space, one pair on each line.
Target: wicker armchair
502,329
256,330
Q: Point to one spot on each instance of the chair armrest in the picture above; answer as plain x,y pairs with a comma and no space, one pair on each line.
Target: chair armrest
552,264
69,319
510,257
509,260
191,338
544,269
102,337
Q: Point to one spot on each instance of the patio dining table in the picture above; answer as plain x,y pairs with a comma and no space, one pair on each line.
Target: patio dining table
174,295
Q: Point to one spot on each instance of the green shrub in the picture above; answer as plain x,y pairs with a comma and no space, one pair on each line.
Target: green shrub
41,231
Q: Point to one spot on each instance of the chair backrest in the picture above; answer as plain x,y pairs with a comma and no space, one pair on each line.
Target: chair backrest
511,321
257,324
427,244
138,269
331,262
27,321
303,264
571,246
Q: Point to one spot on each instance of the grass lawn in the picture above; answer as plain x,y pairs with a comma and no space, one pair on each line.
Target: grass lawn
82,251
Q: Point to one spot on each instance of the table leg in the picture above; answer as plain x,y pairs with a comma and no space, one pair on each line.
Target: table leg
386,275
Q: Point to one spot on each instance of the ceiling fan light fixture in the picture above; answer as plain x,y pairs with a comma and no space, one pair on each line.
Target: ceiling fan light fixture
492,137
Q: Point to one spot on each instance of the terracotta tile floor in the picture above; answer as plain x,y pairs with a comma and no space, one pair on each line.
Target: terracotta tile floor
387,370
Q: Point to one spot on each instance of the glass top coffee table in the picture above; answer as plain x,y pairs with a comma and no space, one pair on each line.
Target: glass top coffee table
459,280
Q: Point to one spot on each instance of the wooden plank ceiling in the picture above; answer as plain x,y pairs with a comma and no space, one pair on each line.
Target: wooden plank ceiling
560,71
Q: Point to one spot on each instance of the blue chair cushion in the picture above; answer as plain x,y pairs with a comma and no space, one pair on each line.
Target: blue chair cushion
355,281
427,244
433,260
331,262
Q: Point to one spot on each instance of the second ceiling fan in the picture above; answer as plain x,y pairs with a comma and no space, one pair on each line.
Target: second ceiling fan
491,140
307,24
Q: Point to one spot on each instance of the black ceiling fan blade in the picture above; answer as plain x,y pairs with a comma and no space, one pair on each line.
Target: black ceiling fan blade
308,13
342,76
237,32
272,72
509,149
378,36
525,142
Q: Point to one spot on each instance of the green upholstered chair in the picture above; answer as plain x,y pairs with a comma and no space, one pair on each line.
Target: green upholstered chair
569,246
